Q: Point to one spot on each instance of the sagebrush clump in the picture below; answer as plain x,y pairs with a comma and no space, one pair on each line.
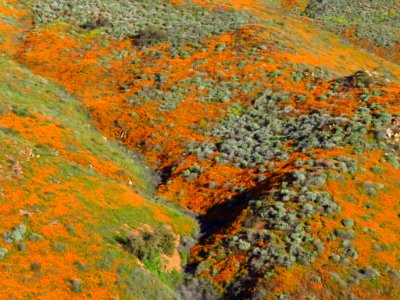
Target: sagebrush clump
269,131
374,20
149,245
147,22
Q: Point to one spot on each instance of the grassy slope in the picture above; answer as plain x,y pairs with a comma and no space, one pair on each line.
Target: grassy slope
101,75
346,21
66,182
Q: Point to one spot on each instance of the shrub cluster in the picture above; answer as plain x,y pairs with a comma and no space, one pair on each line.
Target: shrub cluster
149,22
361,79
267,132
169,98
209,90
197,288
276,230
149,245
15,235
375,20
193,172
3,252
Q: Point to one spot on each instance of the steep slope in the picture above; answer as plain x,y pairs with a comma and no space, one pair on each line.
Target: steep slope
371,24
282,136
66,193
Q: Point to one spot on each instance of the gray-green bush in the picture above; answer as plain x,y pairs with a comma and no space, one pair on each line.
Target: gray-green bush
375,20
149,22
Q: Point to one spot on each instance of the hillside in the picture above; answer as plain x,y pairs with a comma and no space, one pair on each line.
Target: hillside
275,122
67,197
372,24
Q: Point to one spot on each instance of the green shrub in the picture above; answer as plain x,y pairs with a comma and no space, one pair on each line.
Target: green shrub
15,235
59,247
3,252
368,273
147,22
258,134
377,20
36,266
149,245
76,286
193,172
348,222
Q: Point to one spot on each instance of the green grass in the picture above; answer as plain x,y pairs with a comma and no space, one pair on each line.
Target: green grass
52,101
29,96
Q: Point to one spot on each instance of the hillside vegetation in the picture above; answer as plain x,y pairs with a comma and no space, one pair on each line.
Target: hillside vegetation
373,24
66,196
276,122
